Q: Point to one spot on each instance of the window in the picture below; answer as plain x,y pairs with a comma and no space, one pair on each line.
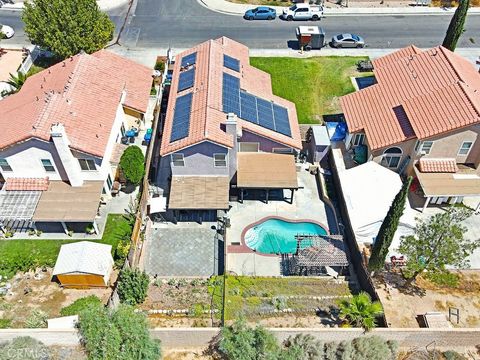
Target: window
248,147
355,37
282,150
391,157
4,165
178,160
465,148
220,160
47,165
109,182
426,147
87,164
358,139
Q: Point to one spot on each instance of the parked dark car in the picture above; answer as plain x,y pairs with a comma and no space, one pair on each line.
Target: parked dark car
260,13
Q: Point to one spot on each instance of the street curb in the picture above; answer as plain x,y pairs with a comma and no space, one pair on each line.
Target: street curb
357,11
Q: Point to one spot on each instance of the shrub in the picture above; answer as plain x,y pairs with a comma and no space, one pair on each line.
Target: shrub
37,319
25,348
132,164
160,66
133,286
5,323
80,305
374,348
444,278
304,346
121,252
118,335
453,355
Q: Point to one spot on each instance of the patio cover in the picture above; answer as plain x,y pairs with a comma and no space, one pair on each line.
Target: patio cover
199,192
18,205
449,184
266,171
369,190
62,202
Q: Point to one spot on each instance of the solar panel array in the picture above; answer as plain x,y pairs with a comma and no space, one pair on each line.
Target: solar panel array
181,117
186,79
189,59
252,108
231,63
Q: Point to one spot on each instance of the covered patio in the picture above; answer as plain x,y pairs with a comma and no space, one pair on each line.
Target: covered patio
266,171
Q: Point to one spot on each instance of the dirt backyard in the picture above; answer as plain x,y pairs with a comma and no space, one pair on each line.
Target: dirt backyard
35,291
403,306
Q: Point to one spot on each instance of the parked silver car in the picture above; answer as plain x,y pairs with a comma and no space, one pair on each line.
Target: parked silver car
347,41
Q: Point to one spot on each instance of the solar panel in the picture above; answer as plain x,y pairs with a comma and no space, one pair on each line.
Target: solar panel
181,117
231,94
282,124
265,114
189,59
231,63
186,80
248,107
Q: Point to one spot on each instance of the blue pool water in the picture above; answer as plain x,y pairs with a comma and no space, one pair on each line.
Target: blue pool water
275,236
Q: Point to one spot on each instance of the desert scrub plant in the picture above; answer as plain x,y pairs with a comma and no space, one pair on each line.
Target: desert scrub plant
37,319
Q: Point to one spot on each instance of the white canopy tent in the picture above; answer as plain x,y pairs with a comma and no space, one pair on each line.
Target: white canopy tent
369,190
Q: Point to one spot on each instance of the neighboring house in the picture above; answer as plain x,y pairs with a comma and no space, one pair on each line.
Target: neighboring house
422,117
220,107
59,144
84,264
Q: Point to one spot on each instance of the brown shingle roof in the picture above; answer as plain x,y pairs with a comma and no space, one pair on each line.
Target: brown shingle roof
26,184
207,111
436,91
427,165
82,92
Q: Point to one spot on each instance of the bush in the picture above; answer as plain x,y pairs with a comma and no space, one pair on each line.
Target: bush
304,347
80,305
132,164
5,323
25,348
133,286
374,348
444,278
121,252
37,319
453,355
118,335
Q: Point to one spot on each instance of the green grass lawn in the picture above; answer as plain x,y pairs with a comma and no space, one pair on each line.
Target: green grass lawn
250,296
21,255
313,84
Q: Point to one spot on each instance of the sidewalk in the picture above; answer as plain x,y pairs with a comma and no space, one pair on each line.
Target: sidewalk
105,5
227,7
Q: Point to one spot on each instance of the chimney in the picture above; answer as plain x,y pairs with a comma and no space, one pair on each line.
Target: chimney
232,128
70,163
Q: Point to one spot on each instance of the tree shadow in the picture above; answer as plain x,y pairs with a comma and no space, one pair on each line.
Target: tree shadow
393,280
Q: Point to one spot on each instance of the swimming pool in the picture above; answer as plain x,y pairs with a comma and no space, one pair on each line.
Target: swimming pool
277,236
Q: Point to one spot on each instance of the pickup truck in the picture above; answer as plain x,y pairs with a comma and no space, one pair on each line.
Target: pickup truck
303,12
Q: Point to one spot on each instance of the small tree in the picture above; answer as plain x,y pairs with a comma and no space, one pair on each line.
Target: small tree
388,228
132,164
133,286
240,342
67,27
360,310
118,335
438,242
456,27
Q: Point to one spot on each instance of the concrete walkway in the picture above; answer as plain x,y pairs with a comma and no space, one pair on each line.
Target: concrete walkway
227,7
105,5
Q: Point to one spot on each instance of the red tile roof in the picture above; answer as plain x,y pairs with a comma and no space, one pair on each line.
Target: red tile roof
427,165
83,93
418,94
26,184
207,111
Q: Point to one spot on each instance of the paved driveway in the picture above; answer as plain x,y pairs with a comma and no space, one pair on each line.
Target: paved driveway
180,250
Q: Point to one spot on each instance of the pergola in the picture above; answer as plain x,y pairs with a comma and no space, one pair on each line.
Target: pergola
266,171
314,253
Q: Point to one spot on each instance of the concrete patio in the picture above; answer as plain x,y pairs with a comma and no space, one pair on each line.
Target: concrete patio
306,205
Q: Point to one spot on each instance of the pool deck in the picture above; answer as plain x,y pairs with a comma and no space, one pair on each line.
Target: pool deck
306,206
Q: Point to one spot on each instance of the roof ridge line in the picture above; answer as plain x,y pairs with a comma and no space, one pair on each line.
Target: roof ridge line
444,52
207,86
463,87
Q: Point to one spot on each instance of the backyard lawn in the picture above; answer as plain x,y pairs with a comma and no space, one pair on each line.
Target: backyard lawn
313,84
21,255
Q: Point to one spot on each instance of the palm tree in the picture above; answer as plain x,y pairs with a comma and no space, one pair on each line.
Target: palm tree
16,82
360,310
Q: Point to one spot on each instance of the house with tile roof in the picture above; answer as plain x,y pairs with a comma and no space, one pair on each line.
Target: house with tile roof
224,127
422,117
60,138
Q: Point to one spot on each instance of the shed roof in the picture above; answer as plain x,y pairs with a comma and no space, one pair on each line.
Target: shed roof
266,171
418,94
84,257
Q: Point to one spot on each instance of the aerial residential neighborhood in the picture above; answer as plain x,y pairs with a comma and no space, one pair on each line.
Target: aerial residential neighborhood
239,179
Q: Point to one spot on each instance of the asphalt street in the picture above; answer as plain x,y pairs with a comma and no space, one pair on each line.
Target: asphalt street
183,23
